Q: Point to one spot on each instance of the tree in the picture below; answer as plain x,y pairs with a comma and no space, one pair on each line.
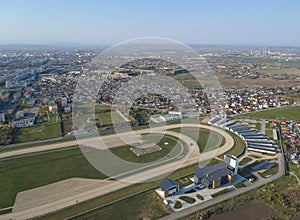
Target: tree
6,134
141,116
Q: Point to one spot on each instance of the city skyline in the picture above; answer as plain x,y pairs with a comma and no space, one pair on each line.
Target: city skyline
268,23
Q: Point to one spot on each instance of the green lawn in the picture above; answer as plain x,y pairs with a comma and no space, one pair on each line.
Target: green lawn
270,172
220,192
125,153
108,118
187,199
238,148
103,119
149,207
284,113
269,133
177,205
291,71
240,185
38,132
28,172
68,125
200,197
203,136
92,107
294,96
245,161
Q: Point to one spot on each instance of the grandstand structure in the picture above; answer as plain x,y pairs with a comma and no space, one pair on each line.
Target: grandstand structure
254,139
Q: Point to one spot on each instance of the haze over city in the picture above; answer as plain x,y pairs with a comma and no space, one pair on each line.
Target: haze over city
231,22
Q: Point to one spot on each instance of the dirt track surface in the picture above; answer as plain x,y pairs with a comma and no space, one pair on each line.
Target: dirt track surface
44,205
55,191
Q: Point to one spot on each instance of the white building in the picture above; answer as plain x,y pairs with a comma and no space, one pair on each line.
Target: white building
172,116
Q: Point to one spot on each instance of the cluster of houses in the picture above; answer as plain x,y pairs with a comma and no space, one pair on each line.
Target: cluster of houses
291,133
254,139
251,100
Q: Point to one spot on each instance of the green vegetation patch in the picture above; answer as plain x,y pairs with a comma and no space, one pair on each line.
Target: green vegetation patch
284,113
240,185
38,132
220,193
200,197
270,172
238,148
245,160
125,153
177,205
201,136
27,172
187,199
150,208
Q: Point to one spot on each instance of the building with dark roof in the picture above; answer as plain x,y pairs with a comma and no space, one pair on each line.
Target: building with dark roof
219,174
169,187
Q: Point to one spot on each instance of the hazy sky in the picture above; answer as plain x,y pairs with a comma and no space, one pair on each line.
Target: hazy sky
252,22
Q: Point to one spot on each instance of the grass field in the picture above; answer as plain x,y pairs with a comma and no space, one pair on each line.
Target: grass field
38,132
125,153
149,207
238,148
289,71
68,126
294,96
270,172
284,113
28,172
102,118
220,193
107,118
244,161
203,136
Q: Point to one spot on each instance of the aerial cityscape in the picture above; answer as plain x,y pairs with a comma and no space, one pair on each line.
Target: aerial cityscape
149,110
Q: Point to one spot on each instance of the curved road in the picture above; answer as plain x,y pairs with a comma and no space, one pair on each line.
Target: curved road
229,195
191,157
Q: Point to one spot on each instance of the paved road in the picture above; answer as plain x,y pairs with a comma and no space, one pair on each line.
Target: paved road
263,126
214,201
191,157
